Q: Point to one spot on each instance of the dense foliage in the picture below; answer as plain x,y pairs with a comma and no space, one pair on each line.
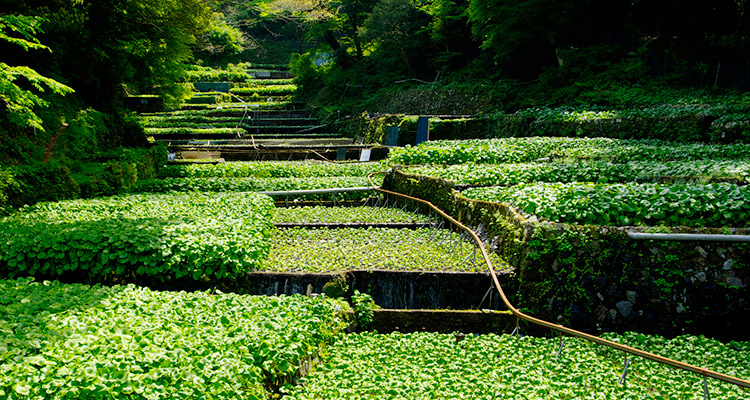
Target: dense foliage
587,171
344,249
713,205
489,55
65,72
138,238
73,341
519,150
269,169
429,366
266,176
232,73
265,90
109,173
261,184
18,102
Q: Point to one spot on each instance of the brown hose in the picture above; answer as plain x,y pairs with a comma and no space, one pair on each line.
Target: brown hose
572,332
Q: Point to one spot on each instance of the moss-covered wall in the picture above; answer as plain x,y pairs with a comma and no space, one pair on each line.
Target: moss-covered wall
598,279
112,172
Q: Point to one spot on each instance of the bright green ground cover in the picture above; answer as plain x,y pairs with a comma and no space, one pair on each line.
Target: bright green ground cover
329,250
62,341
713,205
220,123
154,120
234,122
233,73
190,131
213,109
210,110
261,184
125,238
270,169
520,150
264,90
434,366
261,82
592,171
369,215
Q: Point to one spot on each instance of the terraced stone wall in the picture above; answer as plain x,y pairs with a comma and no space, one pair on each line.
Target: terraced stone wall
596,278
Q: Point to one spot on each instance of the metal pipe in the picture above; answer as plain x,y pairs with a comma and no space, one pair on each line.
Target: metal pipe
689,237
568,331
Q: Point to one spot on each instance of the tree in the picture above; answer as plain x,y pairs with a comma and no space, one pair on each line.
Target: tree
395,27
18,101
542,29
221,40
108,48
449,29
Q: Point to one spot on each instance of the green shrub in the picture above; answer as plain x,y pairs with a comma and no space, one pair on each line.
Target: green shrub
42,182
336,288
701,171
263,82
308,76
364,308
233,73
269,169
74,341
519,150
81,139
138,238
264,90
7,184
713,205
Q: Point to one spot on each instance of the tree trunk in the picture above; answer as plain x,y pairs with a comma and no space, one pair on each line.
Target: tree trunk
558,53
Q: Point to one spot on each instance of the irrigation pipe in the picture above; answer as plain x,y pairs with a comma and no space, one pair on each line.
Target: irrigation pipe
568,331
689,237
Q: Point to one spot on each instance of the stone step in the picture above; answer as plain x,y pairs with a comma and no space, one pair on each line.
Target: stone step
173,137
237,150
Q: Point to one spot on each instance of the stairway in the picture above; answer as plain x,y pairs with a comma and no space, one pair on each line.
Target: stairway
252,120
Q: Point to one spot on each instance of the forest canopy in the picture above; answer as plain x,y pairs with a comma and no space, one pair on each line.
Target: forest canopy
60,58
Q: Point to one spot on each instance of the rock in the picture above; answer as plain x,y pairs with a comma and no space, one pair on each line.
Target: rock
632,296
700,276
702,252
601,313
613,314
734,281
599,295
721,254
679,309
728,264
624,307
